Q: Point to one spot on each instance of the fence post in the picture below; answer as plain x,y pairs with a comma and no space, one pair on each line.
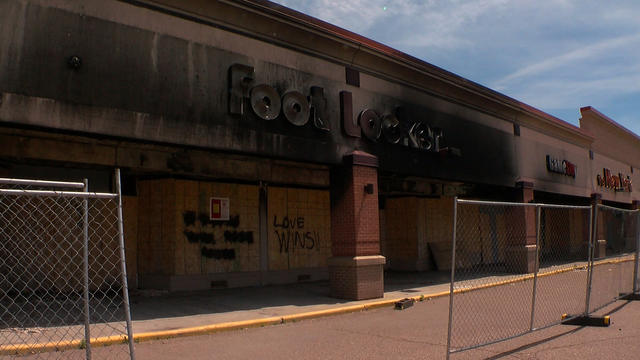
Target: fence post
85,270
123,266
537,266
453,270
636,206
592,245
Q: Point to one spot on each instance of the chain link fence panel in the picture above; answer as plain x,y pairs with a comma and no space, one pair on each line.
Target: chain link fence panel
522,267
614,255
563,248
61,273
636,260
492,284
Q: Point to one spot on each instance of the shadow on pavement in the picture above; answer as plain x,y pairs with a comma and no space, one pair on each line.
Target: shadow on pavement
550,338
272,300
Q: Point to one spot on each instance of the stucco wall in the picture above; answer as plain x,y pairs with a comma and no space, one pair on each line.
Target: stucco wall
531,149
616,168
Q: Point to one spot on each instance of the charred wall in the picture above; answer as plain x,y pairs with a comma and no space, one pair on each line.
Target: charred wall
130,82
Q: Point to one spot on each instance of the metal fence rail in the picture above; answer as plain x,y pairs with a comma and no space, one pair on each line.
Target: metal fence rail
62,276
519,267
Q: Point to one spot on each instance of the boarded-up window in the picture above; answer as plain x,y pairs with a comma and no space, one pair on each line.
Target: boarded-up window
299,227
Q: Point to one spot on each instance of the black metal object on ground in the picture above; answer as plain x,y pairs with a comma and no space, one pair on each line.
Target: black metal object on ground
403,304
602,321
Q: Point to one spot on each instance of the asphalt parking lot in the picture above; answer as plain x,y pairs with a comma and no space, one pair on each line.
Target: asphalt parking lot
418,332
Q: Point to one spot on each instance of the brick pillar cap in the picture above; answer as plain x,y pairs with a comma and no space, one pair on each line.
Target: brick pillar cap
524,184
362,158
356,261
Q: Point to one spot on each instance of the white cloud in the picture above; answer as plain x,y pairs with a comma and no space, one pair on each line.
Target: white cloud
415,22
355,15
562,94
446,26
598,50
552,54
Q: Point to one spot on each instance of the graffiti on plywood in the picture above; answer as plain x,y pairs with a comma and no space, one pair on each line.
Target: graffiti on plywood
292,234
206,235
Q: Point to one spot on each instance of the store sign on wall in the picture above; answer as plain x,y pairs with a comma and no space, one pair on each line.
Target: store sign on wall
614,182
563,167
219,209
299,109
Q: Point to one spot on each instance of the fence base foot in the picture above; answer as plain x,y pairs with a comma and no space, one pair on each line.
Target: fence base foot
603,321
631,297
404,303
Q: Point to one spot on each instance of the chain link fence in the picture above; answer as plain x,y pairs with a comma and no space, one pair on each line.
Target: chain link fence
486,250
614,263
562,274
520,267
62,275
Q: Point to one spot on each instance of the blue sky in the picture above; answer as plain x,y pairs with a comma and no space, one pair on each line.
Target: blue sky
556,55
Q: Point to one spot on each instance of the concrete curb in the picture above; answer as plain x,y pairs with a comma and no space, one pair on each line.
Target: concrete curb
22,349
201,330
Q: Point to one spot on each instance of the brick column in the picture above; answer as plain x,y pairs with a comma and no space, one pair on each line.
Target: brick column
600,236
520,252
356,268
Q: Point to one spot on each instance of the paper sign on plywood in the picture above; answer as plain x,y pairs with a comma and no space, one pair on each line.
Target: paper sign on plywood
219,209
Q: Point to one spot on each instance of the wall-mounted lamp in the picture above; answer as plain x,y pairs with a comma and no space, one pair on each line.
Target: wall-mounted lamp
368,189
74,62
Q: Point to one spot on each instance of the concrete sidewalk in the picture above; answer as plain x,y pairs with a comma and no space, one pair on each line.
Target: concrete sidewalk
155,312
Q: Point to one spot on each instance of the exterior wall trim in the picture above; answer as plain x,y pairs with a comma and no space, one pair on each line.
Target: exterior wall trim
351,44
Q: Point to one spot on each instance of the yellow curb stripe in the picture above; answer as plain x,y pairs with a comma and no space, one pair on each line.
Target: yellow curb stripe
206,329
380,304
613,261
19,349
209,329
323,313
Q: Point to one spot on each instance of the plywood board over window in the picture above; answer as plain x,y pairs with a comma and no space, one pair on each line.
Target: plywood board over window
177,236
221,246
299,228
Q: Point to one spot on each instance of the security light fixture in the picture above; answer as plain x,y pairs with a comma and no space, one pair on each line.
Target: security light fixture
368,189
